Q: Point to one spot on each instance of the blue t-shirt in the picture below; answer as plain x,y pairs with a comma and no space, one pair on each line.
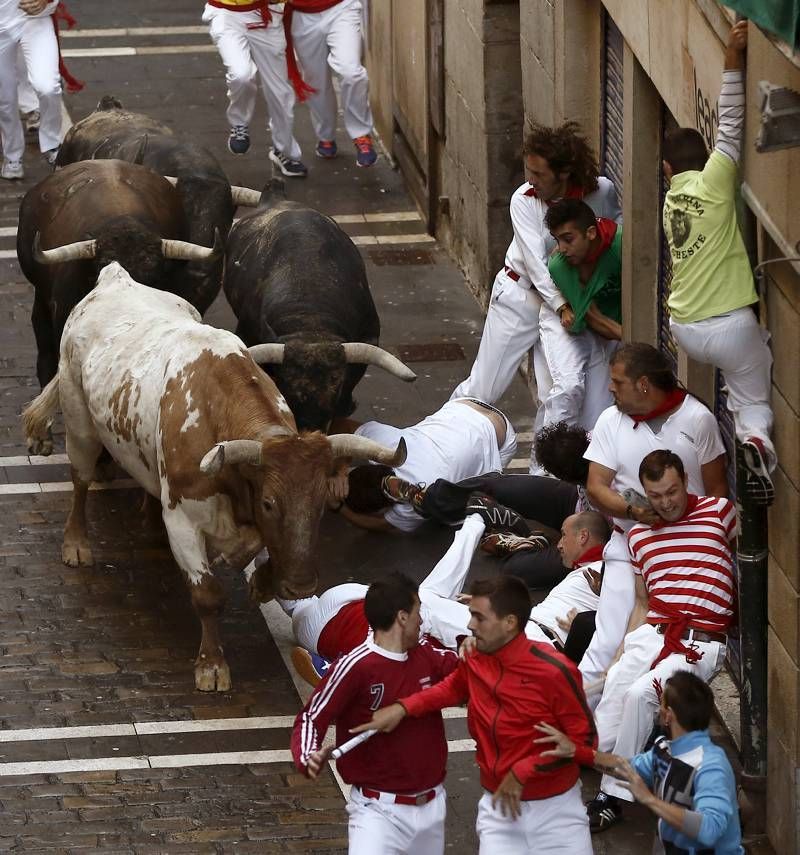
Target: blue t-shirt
693,772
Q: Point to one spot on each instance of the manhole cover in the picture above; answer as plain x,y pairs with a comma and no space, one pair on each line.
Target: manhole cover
400,257
444,351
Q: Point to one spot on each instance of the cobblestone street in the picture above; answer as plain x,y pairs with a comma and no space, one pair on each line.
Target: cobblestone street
104,743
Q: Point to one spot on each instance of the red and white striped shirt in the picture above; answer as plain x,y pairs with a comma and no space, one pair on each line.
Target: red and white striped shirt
687,565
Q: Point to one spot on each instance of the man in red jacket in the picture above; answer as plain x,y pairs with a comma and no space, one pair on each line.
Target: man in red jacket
510,684
397,802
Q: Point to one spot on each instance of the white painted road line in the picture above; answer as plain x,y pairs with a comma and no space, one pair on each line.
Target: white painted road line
106,52
383,240
342,219
64,487
34,460
61,767
112,32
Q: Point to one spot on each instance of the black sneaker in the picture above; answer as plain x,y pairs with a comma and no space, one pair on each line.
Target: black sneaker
401,492
239,139
497,517
287,165
604,811
758,483
502,544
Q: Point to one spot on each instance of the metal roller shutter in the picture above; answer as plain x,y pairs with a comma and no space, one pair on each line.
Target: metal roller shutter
611,137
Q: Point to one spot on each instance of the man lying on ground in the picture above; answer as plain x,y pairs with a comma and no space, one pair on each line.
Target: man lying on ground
331,625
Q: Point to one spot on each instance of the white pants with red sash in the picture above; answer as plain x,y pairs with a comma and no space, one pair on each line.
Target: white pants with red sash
248,53
631,695
331,41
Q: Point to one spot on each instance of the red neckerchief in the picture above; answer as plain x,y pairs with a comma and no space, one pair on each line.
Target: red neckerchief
606,229
61,14
673,400
301,89
573,192
593,553
691,504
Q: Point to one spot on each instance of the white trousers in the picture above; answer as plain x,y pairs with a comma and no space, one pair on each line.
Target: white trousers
37,39
737,345
28,101
380,827
617,596
630,699
580,372
511,329
555,826
247,53
328,42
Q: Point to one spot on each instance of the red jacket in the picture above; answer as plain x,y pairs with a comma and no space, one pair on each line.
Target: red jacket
509,692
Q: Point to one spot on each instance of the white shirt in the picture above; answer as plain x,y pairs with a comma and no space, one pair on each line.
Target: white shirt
572,592
620,445
454,443
532,242
12,18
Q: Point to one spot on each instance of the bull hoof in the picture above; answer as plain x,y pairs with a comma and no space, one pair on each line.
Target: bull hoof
209,677
40,446
77,554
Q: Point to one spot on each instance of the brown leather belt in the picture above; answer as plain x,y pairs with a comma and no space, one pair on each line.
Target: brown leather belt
549,633
694,634
418,799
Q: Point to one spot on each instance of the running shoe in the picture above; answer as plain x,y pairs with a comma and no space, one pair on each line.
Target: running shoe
365,151
310,666
758,483
502,544
290,167
604,811
12,170
327,149
496,517
239,139
402,492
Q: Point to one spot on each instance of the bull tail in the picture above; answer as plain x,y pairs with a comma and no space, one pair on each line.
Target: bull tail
37,419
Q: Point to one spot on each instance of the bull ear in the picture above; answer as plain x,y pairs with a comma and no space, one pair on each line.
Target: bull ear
141,151
229,453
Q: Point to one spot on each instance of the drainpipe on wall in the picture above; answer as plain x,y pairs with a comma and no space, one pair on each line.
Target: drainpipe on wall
752,557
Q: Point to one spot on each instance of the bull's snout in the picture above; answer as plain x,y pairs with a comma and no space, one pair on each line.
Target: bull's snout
292,591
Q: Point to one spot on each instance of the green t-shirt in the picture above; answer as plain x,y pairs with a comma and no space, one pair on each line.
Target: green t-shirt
604,286
711,273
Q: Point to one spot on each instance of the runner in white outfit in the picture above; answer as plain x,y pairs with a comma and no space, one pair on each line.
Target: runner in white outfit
650,413
461,440
523,287
327,38
252,45
27,24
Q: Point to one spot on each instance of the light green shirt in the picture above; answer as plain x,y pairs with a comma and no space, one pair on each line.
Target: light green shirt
711,272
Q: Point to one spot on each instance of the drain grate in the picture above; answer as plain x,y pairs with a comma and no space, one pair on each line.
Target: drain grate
400,257
444,351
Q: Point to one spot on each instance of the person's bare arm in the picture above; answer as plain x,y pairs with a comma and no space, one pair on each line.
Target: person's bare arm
602,324
715,477
366,521
602,497
736,47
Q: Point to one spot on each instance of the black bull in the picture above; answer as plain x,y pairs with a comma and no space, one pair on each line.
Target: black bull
100,211
205,194
297,285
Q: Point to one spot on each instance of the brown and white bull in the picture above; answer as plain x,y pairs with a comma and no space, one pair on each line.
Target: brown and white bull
186,411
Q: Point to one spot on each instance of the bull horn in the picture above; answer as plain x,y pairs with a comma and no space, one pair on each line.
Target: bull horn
230,452
245,197
369,354
82,249
172,180
267,354
141,151
182,250
349,445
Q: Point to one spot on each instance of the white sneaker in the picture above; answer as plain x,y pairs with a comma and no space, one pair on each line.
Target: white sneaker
12,170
